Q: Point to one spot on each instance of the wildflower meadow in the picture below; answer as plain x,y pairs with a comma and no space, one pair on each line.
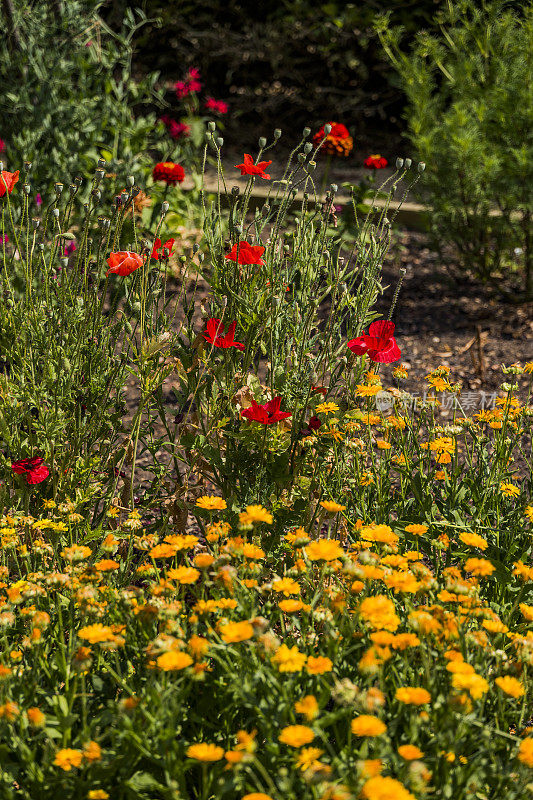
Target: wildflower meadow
241,556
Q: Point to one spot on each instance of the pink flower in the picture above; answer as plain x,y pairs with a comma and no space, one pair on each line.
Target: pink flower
70,248
216,105
182,89
193,80
175,129
38,199
2,145
4,239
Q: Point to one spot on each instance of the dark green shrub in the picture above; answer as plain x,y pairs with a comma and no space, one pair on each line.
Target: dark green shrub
470,117
67,90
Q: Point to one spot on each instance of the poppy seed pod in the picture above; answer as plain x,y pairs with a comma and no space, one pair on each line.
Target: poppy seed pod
421,166
277,133
235,190
266,210
35,223
399,163
40,246
58,188
311,166
262,141
306,131
327,129
220,141
301,157
334,188
1,166
308,147
164,207
27,166
101,163
55,212
211,127
407,163
27,188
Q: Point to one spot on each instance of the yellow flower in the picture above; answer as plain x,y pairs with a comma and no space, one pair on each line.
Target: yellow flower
416,530
324,550
331,506
413,695
510,686
307,706
368,725
289,659
255,513
410,752
381,444
525,752
68,758
296,735
319,665
287,586
36,718
92,752
211,503
97,794
473,683
473,540
183,575
380,788
527,611
96,633
479,566
106,565
308,758
327,408
379,613
509,489
173,660
236,631
256,796
367,391
205,752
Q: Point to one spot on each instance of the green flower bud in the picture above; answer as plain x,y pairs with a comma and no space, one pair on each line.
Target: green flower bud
211,127
277,133
262,142
305,133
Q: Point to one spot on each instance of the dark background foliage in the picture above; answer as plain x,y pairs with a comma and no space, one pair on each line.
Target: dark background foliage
284,64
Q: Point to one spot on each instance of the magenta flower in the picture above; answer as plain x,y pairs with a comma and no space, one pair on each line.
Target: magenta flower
216,105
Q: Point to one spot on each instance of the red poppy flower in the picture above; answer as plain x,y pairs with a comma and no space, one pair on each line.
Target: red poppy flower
249,168
244,253
214,334
266,414
379,344
319,390
169,172
7,181
124,263
33,468
375,162
167,249
216,105
338,141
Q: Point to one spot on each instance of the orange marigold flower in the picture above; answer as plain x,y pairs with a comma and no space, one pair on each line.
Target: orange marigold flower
92,752
473,683
473,540
68,758
380,788
318,665
296,735
413,695
211,503
416,530
205,752
510,686
173,661
233,632
479,566
36,717
307,706
96,633
410,752
183,575
525,752
287,586
368,725
289,659
324,550
379,613
332,507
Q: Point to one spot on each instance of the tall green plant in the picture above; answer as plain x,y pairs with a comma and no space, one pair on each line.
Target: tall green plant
470,116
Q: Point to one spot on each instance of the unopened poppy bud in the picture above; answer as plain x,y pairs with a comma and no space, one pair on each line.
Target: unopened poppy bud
399,163
35,223
311,166
130,180
306,131
55,212
327,129
27,188
407,163
421,166
211,127
262,141
308,147
277,133
220,141
164,207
